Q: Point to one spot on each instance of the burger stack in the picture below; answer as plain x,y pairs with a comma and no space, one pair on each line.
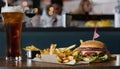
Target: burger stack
93,51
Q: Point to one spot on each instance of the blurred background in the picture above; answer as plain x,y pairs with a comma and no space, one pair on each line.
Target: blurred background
52,13
83,14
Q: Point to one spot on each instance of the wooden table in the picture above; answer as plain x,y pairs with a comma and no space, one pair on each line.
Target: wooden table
29,64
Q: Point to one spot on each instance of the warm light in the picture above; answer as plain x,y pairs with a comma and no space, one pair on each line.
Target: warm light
24,3
36,10
51,11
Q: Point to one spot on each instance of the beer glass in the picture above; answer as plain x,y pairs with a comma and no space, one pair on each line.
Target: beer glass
12,17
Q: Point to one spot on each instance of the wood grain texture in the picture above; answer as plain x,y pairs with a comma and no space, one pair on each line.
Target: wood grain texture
29,64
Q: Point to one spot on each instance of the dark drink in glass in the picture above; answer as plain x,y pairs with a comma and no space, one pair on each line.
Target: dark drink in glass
12,17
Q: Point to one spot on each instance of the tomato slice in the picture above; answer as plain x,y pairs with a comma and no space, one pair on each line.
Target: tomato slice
87,54
90,54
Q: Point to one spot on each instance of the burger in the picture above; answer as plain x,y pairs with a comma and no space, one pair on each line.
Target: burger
93,51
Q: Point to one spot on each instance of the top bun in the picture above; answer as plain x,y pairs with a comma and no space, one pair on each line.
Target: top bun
93,44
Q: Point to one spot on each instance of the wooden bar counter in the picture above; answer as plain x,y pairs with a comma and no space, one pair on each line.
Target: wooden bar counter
29,64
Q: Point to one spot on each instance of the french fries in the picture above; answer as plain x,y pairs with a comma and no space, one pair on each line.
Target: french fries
45,51
37,56
81,41
70,47
64,55
52,49
32,48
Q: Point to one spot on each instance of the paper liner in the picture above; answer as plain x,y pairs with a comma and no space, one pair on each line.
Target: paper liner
53,59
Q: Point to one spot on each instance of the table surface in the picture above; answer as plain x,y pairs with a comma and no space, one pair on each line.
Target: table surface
27,63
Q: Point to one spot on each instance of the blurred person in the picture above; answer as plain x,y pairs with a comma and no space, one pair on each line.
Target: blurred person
35,19
27,5
85,7
52,16
58,6
57,12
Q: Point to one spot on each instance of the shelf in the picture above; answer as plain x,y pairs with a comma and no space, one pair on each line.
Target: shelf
90,17
69,29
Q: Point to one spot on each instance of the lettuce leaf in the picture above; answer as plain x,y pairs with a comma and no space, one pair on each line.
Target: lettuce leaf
79,57
104,58
92,58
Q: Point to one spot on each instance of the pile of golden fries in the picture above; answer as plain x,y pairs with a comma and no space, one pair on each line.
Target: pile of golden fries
63,54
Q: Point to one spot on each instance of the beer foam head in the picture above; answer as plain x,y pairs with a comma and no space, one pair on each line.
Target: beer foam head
11,9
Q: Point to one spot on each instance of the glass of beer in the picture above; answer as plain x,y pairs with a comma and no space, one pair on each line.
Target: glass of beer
12,17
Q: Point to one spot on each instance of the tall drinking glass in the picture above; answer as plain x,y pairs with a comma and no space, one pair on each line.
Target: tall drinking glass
12,17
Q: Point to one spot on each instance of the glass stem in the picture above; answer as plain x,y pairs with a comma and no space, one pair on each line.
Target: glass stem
31,22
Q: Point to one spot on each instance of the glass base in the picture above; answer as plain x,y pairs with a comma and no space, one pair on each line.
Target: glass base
14,58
